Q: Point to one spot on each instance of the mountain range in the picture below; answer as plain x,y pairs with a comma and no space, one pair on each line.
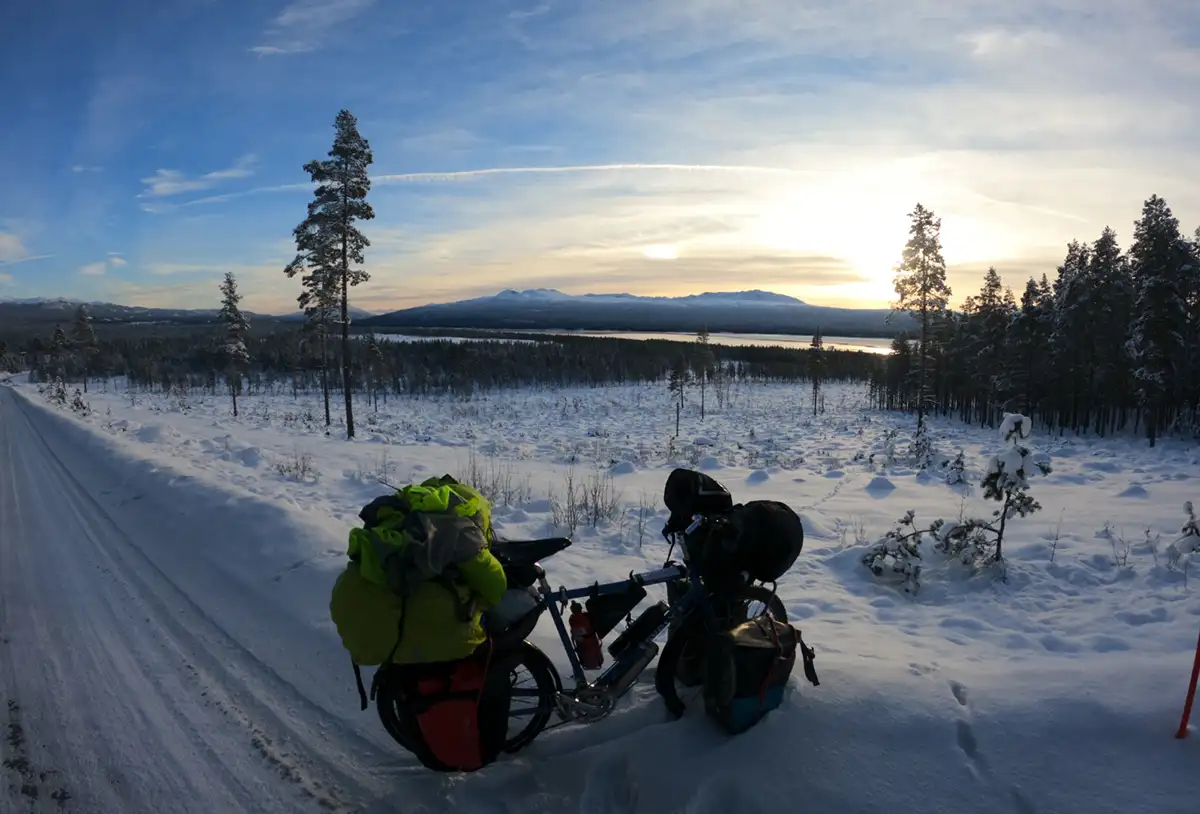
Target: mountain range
37,310
754,311
730,312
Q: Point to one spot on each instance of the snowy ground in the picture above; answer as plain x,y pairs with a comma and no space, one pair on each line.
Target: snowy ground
166,567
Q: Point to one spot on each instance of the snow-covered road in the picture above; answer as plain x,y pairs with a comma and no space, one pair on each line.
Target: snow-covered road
139,670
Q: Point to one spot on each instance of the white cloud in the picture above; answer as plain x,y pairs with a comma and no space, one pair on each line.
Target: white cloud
117,261
86,168
10,247
165,183
93,269
303,25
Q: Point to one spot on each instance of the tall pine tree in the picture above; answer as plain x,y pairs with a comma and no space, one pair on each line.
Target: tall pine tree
922,290
816,363
1072,322
84,337
1160,261
1109,312
237,357
1027,335
328,243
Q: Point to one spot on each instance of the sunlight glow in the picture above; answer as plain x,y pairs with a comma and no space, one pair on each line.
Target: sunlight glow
661,251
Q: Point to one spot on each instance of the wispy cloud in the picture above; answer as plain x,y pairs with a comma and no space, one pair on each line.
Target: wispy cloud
165,183
112,261
87,168
488,172
13,251
25,259
303,25
7,279
525,14
10,246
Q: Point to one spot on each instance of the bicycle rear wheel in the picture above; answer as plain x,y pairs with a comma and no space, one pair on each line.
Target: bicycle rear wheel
535,685
678,677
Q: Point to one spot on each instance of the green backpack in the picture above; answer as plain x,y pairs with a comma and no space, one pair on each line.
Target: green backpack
420,533
417,534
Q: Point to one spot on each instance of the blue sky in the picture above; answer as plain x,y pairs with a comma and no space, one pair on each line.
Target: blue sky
662,147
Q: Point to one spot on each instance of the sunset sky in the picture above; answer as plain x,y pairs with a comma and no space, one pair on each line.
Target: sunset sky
649,146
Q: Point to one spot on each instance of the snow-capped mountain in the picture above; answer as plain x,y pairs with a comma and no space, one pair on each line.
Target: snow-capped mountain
731,311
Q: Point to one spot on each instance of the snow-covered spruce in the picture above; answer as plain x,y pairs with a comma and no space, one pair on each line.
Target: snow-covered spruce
976,541
898,553
957,470
1189,539
921,451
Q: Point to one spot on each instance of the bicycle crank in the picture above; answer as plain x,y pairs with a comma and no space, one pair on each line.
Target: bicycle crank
589,704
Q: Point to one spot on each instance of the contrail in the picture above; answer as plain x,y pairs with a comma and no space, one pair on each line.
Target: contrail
466,175
573,168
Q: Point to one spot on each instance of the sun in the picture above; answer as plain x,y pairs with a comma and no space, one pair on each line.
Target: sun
661,251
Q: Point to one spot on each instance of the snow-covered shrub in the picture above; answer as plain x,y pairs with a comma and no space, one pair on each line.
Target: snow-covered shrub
1189,539
920,449
298,468
1121,548
898,553
57,392
976,541
956,472
79,405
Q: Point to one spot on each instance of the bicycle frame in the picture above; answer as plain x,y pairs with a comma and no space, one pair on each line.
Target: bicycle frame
554,600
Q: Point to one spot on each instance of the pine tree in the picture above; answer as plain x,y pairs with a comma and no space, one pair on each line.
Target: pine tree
237,357
1110,310
991,312
817,365
677,384
1027,337
84,337
922,290
374,368
318,301
705,361
328,244
59,347
1160,259
979,541
1072,297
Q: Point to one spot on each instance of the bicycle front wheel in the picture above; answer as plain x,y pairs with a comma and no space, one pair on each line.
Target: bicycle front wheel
680,666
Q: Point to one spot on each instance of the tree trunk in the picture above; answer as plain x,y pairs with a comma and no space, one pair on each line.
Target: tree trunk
325,367
233,392
921,368
346,346
1000,535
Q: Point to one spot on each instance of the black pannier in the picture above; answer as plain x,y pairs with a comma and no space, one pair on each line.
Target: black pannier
688,493
761,538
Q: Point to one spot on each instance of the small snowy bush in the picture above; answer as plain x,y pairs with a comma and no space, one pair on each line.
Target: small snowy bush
920,450
976,541
1189,540
899,553
957,470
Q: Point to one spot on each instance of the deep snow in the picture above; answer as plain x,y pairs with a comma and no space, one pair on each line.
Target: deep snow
200,549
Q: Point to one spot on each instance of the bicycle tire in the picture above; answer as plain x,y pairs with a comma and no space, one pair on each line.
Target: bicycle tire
673,651
549,685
